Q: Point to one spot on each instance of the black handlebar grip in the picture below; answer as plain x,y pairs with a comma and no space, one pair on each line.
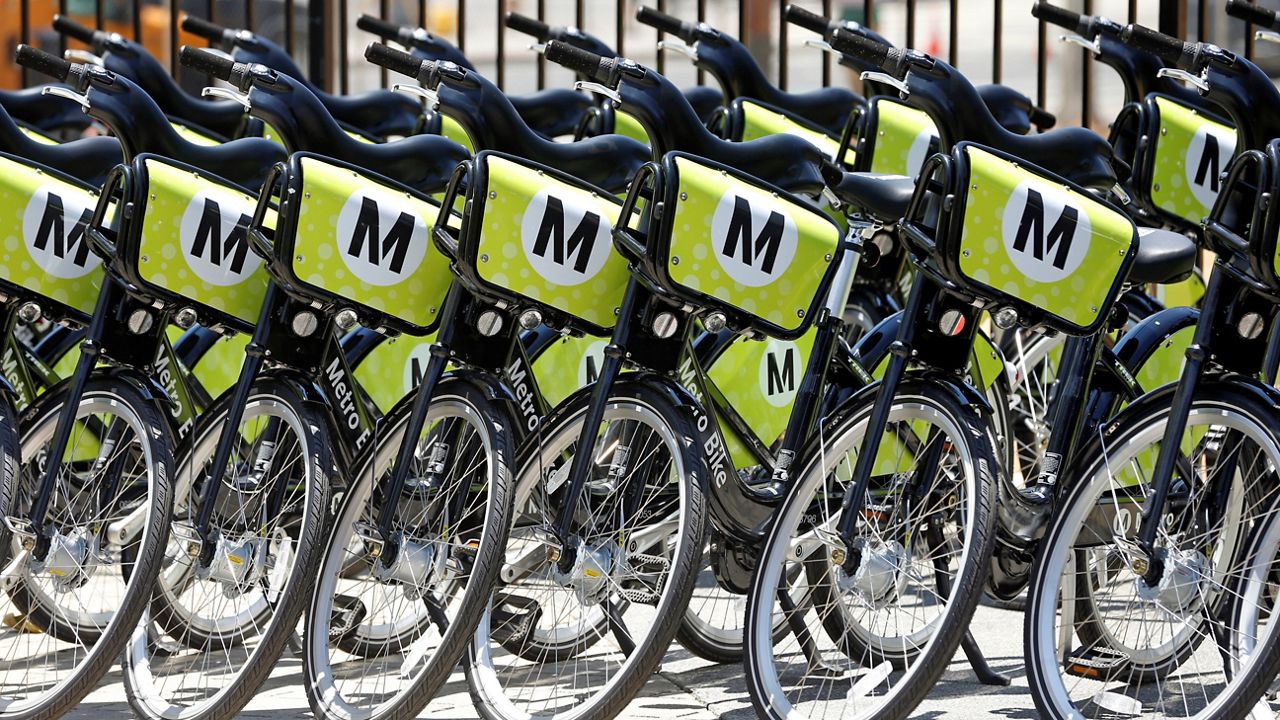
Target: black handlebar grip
392,59
66,26
528,26
1255,14
42,62
200,27
1060,16
851,43
203,61
807,19
1042,119
1166,47
583,62
666,23
378,26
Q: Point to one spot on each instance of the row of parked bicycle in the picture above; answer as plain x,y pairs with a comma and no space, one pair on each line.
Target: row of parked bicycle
537,384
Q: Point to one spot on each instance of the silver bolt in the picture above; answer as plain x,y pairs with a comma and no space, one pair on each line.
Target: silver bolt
305,323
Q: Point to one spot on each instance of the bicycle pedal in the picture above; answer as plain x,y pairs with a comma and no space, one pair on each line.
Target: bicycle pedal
1095,663
507,625
641,561
641,596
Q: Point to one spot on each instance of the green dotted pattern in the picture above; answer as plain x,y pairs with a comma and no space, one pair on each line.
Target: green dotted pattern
736,373
692,262
558,368
317,248
500,254
1169,190
759,122
628,125
384,373
18,183
161,261
896,129
1078,298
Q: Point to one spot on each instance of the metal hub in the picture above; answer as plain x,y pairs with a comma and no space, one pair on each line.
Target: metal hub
68,560
1181,584
417,566
237,563
880,575
592,568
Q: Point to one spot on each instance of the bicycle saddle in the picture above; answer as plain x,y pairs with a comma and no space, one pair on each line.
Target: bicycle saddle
884,196
221,117
303,122
88,159
552,112
1014,111
1163,256
38,110
607,161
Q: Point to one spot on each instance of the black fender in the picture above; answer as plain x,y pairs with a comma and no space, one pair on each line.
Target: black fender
146,385
7,390
193,344
1131,352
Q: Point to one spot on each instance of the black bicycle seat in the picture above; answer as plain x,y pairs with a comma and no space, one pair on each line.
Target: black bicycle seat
552,112
89,159
1163,256
1014,111
423,162
607,161
222,117
884,196
378,112
46,112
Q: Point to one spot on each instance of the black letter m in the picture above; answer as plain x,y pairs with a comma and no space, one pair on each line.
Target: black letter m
1208,164
766,243
395,244
51,225
209,238
1032,225
551,230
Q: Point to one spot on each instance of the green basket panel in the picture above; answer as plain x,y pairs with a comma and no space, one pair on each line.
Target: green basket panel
393,368
551,241
453,130
568,364
45,250
759,380
747,246
370,242
628,125
901,139
759,122
195,241
1191,152
1040,242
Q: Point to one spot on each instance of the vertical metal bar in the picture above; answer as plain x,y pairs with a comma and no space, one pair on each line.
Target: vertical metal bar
1041,58
742,22
1086,78
462,26
99,14
620,17
288,27
911,23
319,35
782,46
62,39
953,34
868,13
136,19
173,38
1202,19
1133,11
542,61
1173,17
702,17
382,14
213,13
1248,40
501,74
344,72
997,43
826,58
250,14
660,63
422,13
24,34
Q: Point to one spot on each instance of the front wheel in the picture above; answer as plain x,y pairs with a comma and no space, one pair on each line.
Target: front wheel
582,642
871,641
72,610
1102,638
221,615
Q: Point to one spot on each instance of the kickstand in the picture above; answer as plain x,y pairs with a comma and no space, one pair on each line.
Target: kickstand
978,662
817,666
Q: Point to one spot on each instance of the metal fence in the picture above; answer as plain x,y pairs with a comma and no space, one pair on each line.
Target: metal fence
990,40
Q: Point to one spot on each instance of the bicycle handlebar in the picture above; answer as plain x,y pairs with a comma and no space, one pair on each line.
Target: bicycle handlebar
528,26
42,62
1253,13
401,62
66,26
596,67
1062,17
1168,48
686,31
806,19
200,27
206,62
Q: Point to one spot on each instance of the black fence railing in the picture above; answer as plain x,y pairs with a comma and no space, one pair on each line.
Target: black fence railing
985,38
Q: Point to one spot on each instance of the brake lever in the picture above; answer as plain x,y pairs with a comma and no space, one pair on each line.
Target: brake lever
540,48
1197,81
887,79
82,56
597,88
1267,36
67,93
228,94
1084,42
824,46
679,46
431,97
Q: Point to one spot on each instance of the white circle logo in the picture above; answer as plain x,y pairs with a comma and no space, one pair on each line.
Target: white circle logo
921,149
592,361
214,238
53,227
415,365
565,239
754,239
1204,166
780,369
1046,236
381,239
